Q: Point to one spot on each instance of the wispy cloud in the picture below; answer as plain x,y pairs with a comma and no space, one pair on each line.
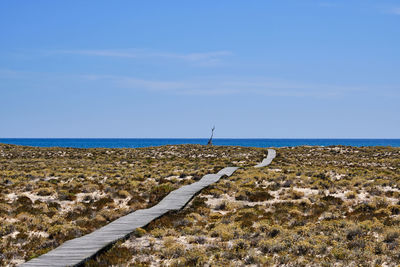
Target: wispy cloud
395,11
227,86
200,57
249,86
327,4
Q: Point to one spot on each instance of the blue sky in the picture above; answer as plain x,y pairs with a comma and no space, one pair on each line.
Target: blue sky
262,69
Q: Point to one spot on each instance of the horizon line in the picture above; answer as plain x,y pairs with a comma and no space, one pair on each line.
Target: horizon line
276,138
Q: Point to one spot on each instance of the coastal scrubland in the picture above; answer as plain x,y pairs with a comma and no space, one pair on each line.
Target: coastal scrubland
51,195
313,206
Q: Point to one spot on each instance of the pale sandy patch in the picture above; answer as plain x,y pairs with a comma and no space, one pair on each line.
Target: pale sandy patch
336,176
39,234
10,197
35,197
13,235
16,262
11,220
389,188
307,191
96,195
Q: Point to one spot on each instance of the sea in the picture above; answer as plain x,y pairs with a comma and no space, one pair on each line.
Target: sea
149,142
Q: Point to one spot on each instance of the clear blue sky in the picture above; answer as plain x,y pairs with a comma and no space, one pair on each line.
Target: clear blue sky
272,69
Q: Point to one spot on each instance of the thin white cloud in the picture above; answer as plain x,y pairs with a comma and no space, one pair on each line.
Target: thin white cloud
201,57
327,4
249,86
395,11
136,83
101,53
226,86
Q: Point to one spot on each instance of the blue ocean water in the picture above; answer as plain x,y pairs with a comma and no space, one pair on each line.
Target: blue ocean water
147,142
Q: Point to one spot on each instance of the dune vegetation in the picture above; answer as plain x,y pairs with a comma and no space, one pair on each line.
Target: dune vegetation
51,195
313,206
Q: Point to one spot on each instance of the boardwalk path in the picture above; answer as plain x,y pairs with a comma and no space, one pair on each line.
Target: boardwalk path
78,250
271,155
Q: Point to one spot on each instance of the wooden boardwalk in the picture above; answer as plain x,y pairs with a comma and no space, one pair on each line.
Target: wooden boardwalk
271,155
77,251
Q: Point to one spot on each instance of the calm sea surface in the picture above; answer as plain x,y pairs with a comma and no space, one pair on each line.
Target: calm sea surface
147,142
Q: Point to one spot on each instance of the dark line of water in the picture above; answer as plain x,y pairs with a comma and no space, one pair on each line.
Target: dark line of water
147,142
